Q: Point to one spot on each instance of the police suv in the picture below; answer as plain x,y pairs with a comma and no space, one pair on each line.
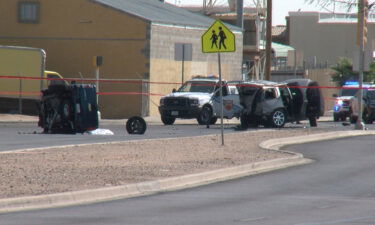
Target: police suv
346,103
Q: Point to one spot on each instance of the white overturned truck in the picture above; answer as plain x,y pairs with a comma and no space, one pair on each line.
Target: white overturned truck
199,98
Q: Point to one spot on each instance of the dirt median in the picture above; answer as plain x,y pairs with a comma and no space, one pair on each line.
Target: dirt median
58,170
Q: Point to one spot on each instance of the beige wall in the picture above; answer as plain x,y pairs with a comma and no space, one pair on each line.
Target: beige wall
72,32
327,41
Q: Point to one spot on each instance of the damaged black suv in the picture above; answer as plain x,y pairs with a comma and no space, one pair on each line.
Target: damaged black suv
273,104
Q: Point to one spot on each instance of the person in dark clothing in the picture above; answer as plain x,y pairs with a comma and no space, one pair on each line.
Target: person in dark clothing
313,104
222,38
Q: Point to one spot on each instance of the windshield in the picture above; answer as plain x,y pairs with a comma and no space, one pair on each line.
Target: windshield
198,86
349,92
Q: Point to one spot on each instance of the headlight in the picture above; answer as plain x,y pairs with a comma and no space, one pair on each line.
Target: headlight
161,103
339,102
194,102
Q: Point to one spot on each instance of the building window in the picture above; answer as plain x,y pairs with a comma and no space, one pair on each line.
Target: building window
28,12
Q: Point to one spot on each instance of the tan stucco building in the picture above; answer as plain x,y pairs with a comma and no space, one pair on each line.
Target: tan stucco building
140,42
322,38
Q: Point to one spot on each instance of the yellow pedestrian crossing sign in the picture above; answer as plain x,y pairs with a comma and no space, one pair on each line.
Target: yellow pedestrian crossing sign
218,38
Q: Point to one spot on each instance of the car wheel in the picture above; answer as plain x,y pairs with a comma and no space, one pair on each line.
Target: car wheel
205,117
136,125
167,120
277,118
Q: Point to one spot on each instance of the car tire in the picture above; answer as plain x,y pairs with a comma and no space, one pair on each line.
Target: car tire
277,118
136,125
205,117
167,120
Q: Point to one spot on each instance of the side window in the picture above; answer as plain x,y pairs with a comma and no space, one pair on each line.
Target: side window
28,12
225,90
269,93
54,79
233,90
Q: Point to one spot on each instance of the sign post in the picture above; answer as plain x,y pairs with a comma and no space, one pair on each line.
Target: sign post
219,39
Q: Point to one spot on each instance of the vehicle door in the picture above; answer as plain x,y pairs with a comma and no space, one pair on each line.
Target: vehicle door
286,97
271,100
297,100
228,101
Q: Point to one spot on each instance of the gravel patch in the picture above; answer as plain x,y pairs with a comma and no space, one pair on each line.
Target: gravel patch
102,165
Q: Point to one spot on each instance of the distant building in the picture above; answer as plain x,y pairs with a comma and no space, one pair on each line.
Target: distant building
141,41
322,38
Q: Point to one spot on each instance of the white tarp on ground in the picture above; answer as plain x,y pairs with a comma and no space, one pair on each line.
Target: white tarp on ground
100,131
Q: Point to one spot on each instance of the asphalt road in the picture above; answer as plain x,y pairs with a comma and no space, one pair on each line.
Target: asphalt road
338,188
15,136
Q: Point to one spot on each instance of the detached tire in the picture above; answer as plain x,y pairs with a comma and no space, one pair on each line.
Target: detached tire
136,125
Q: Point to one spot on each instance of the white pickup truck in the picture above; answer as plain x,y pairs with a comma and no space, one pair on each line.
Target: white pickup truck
200,98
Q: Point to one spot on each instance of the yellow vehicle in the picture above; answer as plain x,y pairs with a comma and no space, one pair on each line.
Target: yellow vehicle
23,74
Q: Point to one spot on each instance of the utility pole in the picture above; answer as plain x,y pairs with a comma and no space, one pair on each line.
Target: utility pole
268,41
362,41
239,9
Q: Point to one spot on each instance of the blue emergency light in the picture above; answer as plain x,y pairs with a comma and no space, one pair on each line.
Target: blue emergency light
350,82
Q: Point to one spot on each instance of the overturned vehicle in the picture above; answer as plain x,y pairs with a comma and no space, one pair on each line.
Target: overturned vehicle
273,104
68,109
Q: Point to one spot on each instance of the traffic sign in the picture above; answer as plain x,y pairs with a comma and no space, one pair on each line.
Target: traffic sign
218,38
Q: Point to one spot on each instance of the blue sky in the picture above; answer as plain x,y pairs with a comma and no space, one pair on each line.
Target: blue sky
280,7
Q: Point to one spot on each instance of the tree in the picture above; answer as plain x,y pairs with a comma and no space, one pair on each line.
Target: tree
328,4
343,71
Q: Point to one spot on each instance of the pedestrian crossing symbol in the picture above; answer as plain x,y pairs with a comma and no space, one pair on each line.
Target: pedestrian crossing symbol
218,38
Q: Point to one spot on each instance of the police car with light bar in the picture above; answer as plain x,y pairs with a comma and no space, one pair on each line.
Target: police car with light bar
346,103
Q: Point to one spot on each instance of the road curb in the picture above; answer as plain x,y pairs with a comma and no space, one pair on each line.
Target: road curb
176,183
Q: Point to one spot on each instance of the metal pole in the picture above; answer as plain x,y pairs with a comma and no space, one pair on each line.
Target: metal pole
359,125
183,63
240,13
295,63
268,40
221,100
20,99
97,84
